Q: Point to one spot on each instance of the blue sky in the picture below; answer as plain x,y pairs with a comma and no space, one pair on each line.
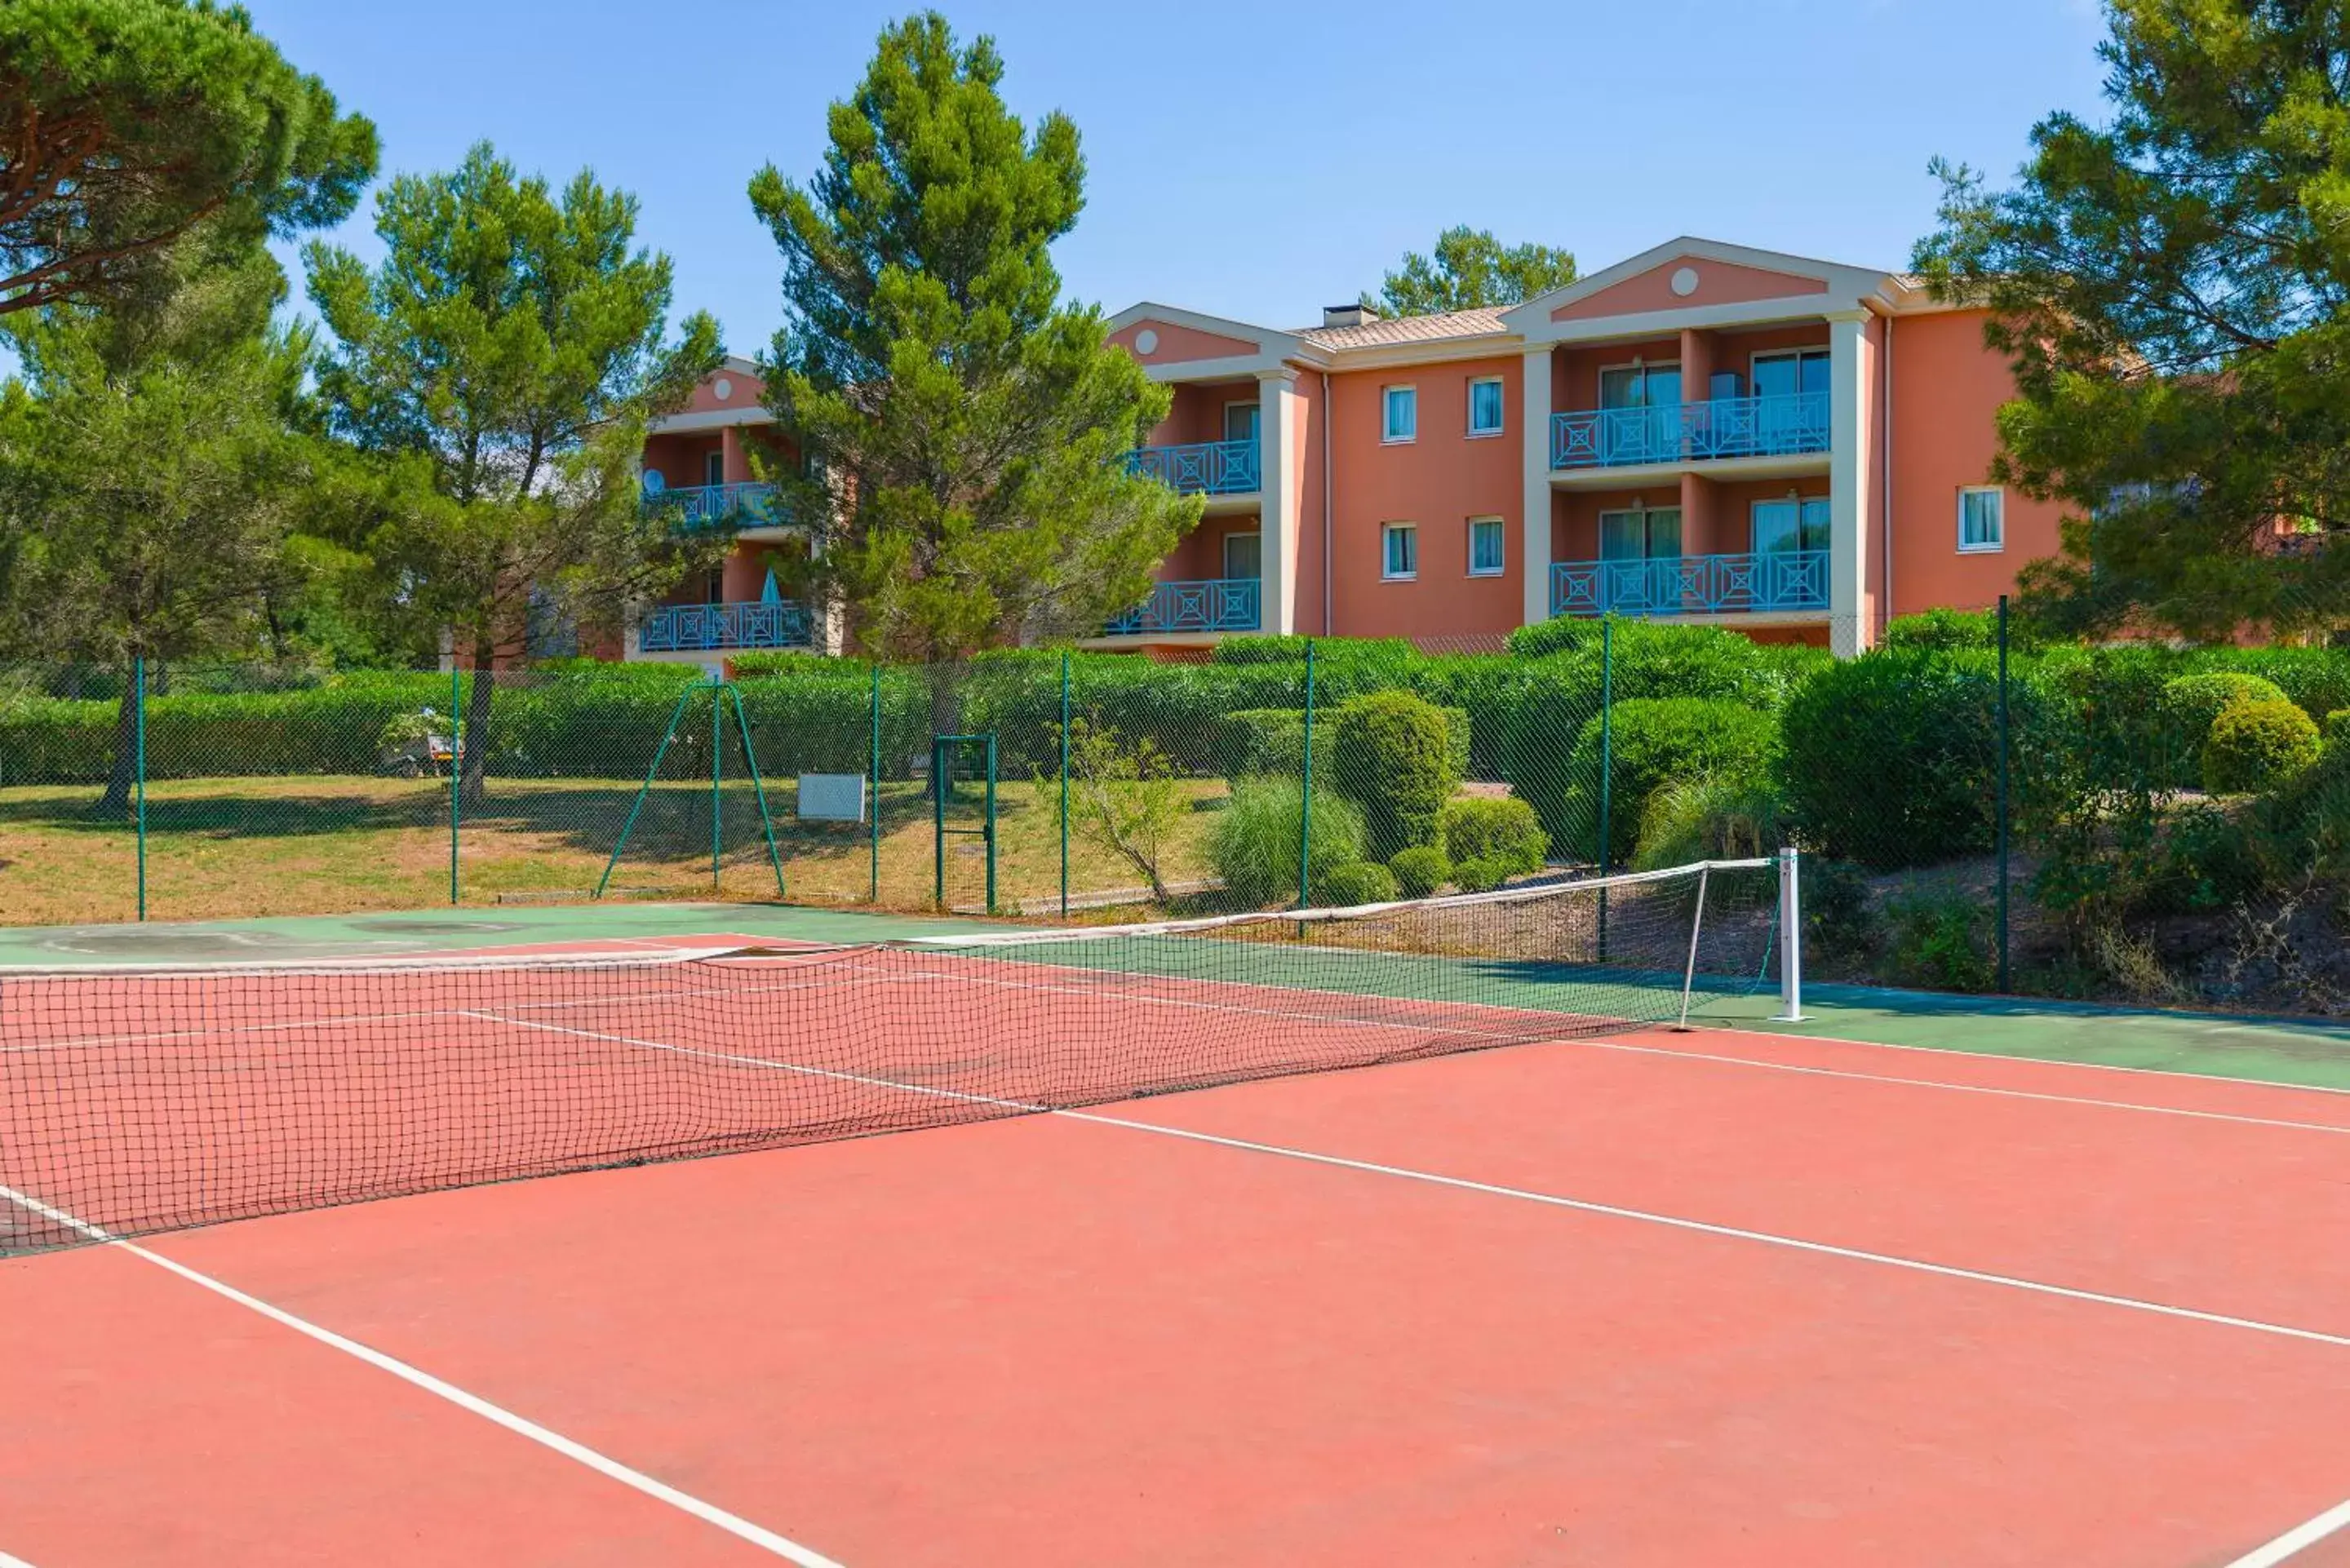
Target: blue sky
1254,158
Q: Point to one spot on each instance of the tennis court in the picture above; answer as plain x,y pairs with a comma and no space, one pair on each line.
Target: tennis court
1137,1275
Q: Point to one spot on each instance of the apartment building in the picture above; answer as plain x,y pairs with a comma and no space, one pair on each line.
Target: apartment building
1704,432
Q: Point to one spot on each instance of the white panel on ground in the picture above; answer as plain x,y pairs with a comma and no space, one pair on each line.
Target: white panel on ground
833,797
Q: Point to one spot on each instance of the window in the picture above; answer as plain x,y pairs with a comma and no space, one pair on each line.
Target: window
1399,551
1243,556
713,467
1485,547
1240,422
1794,523
1485,406
1653,535
1399,417
1982,518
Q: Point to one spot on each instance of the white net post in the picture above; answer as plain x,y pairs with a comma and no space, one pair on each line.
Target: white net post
1696,926
1791,938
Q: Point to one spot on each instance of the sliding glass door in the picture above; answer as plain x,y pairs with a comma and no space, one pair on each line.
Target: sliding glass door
1640,413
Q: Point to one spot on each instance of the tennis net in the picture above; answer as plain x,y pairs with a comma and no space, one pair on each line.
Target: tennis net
142,1099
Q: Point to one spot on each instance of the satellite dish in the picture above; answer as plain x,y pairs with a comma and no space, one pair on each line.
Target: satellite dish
654,482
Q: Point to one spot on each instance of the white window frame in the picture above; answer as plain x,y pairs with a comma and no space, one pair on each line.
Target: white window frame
1500,386
1387,558
1501,527
713,466
1995,545
1224,552
1386,394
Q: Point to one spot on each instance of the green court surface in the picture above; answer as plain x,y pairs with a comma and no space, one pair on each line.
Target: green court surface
2307,1052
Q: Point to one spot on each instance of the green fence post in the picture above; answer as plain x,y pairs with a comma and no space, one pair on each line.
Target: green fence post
457,765
937,823
990,839
138,766
717,748
873,806
1606,763
1065,784
2003,828
1305,797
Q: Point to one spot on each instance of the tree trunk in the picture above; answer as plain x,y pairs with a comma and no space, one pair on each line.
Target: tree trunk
124,775
473,752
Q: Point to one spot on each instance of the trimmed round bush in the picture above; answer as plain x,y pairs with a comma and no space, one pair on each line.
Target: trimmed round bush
1356,882
1392,753
1657,741
2190,703
1480,875
2256,745
1252,844
1493,827
1892,758
1421,870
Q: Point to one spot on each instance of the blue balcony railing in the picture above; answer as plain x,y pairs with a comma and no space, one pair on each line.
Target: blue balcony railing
1776,426
1204,468
748,504
1218,604
1692,585
702,629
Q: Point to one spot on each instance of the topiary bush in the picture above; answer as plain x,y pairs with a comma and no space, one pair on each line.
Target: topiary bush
1656,741
1421,870
1892,758
2191,702
1258,742
2257,745
1943,630
1253,842
1354,882
1493,827
1392,753
1480,875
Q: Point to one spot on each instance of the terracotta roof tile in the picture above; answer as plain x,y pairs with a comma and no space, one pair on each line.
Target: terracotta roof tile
1433,328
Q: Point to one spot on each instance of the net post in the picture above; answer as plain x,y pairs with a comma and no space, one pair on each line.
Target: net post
676,714
1696,925
1065,784
1791,938
2002,797
1306,794
873,804
138,766
717,749
457,765
758,787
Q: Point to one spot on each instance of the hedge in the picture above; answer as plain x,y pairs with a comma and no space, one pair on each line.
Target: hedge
1891,759
1657,741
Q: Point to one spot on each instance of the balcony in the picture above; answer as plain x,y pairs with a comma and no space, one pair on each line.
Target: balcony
746,504
1783,425
1203,468
1218,604
1774,581
710,628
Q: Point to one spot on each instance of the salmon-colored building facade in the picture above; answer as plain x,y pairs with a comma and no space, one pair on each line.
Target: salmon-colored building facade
1703,434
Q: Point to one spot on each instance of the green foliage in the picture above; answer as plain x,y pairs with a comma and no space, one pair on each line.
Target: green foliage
2166,278
1390,650
1497,828
1421,870
128,123
930,371
2257,744
1943,630
1356,882
1890,759
1254,843
1727,817
2318,679
1481,875
1391,754
1943,942
1470,268
1840,926
2337,727
1124,796
1260,742
2192,703
1657,741
2208,861
1561,634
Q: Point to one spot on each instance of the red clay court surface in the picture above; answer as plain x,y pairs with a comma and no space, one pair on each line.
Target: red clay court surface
1656,1299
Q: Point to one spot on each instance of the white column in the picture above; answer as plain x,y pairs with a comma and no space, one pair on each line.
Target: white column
1533,516
1279,495
1848,510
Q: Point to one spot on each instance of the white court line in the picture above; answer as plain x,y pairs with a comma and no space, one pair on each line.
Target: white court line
1549,1199
521,1426
2298,1539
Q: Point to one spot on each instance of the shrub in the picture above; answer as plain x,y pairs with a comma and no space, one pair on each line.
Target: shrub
2316,679
1656,741
1943,942
2189,704
1731,816
1292,649
1254,843
1562,634
1891,759
2206,861
2256,745
1392,753
1480,875
2338,727
1493,827
1263,742
1943,630
1421,870
1840,924
1354,882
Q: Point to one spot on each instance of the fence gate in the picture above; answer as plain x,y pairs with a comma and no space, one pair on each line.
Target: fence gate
962,804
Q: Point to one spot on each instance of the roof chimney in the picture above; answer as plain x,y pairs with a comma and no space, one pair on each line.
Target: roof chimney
1347,315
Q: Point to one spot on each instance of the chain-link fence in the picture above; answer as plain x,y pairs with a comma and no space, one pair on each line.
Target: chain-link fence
1979,810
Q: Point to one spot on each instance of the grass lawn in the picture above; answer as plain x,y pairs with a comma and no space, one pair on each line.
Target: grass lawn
226,848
